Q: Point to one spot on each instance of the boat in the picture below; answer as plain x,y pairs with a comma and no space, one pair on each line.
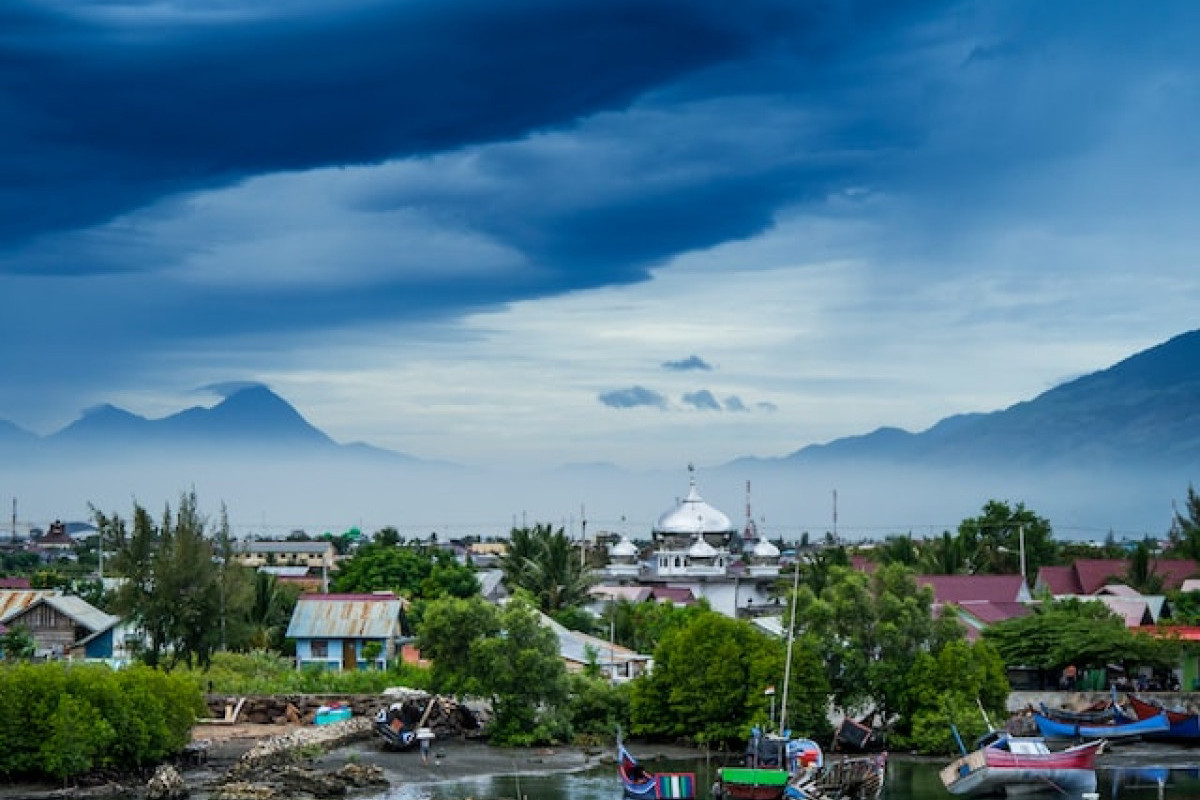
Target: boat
1183,726
856,736
1056,729
1006,764
642,785
1095,715
780,766
396,726
751,783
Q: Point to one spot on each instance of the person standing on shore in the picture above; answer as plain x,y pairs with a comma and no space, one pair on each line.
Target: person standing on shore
425,738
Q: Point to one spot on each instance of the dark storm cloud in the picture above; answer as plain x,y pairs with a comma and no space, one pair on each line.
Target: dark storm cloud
104,113
702,399
580,144
685,364
633,397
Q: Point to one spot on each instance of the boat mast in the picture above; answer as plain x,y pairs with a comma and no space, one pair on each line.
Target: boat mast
787,665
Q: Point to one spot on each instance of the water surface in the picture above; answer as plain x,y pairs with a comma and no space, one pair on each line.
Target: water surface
906,780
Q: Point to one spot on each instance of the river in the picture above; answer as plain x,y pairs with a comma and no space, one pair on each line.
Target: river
906,780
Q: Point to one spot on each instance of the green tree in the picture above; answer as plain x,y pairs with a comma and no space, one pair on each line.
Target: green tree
172,586
1141,574
641,626
17,643
1080,632
524,675
412,572
709,680
1185,527
993,542
449,634
945,687
543,562
943,555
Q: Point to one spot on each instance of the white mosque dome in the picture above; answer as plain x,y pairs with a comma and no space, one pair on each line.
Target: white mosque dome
624,549
691,516
765,549
702,549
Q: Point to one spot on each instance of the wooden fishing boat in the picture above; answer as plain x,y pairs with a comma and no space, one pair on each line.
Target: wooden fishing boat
640,784
752,783
796,769
1183,725
1004,764
1096,715
1056,729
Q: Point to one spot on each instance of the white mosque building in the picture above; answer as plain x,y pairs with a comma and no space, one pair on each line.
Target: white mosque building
692,551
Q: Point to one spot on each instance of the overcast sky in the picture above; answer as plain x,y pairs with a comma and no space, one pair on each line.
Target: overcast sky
644,232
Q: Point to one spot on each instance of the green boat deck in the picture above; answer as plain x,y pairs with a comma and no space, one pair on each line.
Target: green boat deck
753,777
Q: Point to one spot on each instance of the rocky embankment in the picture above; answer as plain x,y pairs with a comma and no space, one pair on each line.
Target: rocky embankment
277,768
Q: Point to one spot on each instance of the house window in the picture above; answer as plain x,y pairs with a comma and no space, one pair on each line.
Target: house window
319,648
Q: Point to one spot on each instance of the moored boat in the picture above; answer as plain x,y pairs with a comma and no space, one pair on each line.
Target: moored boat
1057,729
1183,726
796,769
751,783
1004,764
639,784
396,727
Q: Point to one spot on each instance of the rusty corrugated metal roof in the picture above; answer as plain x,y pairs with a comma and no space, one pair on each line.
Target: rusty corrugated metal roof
345,617
15,601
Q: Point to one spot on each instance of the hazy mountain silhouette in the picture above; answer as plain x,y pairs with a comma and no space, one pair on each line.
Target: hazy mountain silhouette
252,417
1145,409
1113,450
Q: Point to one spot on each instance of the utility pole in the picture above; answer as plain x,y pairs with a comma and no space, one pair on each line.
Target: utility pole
835,536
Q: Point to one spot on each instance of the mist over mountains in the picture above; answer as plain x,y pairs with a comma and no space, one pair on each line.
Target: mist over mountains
1106,452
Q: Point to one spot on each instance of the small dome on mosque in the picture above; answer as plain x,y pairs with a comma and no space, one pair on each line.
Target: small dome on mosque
624,549
691,516
765,549
702,549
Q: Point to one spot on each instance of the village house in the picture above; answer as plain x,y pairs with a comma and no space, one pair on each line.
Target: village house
318,558
62,626
347,631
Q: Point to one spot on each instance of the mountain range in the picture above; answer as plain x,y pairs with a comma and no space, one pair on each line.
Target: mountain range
252,416
1112,449
1144,409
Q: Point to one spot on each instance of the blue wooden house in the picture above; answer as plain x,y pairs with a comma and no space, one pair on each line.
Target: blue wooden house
334,631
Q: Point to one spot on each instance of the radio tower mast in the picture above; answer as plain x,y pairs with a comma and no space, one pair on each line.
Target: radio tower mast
750,532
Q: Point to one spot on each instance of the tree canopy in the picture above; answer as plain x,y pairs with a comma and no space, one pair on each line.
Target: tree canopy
173,585
543,562
506,655
1080,632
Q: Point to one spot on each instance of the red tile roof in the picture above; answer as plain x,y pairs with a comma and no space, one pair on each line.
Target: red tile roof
989,613
1089,575
1058,580
964,588
679,595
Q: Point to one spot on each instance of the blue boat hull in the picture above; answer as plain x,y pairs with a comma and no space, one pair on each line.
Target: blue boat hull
1056,729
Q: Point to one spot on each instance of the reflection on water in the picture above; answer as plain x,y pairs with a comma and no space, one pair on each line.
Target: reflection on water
906,780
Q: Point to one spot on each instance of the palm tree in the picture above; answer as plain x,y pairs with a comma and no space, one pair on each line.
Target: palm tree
542,561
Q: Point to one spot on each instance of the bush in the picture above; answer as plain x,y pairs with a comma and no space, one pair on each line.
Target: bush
597,708
62,720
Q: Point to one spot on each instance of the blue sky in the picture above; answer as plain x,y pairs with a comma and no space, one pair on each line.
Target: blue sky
644,232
